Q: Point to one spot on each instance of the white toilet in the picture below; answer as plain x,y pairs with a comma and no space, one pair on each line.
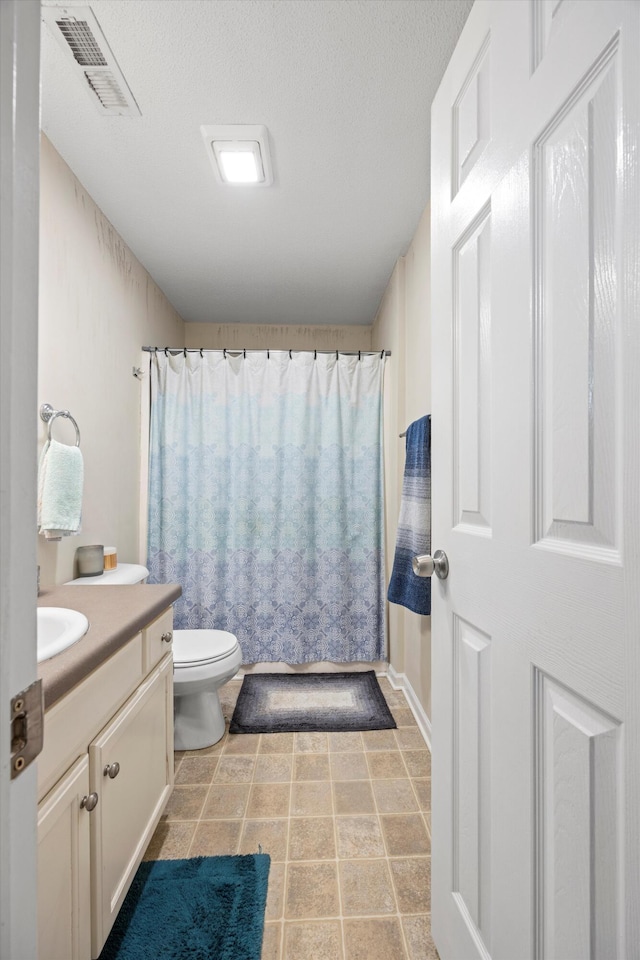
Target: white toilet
203,660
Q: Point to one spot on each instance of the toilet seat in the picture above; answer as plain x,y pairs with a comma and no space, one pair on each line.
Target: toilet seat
197,648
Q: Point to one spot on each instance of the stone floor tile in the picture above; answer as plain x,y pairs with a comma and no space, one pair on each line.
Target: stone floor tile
311,799
171,840
225,801
311,838
410,738
185,803
359,837
271,938
196,770
276,743
345,742
412,883
273,768
418,762
241,743
379,939
386,765
405,835
275,892
379,740
417,931
265,836
312,891
311,743
365,888
349,766
394,796
234,770
311,766
216,838
314,940
353,796
268,800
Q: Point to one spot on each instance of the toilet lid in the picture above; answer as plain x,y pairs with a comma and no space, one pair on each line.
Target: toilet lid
192,647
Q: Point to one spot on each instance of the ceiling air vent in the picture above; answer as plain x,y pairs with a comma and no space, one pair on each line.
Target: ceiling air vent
80,36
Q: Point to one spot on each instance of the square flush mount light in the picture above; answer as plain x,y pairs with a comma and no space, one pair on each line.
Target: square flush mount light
239,154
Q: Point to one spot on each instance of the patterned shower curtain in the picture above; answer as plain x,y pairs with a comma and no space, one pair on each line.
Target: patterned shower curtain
266,500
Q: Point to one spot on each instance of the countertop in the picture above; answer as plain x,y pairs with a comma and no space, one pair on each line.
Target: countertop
115,615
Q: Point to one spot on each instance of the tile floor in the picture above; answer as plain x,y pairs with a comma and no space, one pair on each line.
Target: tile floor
346,820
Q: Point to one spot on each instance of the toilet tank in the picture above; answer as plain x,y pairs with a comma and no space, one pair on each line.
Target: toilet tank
122,574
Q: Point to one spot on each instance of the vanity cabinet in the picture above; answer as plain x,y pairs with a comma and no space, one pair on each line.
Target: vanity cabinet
111,737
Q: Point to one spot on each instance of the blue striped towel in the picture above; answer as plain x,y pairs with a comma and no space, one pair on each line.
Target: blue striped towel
414,523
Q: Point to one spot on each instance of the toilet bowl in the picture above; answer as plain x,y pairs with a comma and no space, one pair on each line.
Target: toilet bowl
203,660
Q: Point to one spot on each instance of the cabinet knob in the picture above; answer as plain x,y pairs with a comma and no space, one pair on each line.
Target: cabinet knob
89,802
167,637
111,770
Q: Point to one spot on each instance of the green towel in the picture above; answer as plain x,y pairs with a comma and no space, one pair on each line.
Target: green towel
60,481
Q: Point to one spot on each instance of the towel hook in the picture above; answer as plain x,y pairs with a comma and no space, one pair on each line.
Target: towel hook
48,414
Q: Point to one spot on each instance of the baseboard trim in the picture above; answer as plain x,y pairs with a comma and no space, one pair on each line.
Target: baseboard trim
400,681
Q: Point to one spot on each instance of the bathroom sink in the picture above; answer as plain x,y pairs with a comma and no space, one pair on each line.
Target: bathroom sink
58,628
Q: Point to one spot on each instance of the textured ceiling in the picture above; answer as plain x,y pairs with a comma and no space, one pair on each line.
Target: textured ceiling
344,88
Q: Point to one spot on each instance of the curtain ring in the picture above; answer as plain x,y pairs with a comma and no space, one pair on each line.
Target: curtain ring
165,351
156,349
315,354
290,357
245,354
359,357
267,354
201,356
185,353
224,353
382,354
336,356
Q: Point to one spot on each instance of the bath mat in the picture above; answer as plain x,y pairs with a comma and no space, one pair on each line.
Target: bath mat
310,702
206,908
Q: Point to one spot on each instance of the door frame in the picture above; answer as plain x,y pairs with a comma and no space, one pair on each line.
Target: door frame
19,226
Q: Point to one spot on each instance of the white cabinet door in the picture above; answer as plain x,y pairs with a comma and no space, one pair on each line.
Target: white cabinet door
536,480
64,910
140,740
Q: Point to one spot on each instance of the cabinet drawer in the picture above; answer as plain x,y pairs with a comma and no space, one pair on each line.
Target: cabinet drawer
153,644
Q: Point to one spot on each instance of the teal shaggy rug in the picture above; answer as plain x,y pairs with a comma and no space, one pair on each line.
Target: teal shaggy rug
206,908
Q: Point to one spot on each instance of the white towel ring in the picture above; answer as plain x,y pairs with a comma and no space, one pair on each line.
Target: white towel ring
48,414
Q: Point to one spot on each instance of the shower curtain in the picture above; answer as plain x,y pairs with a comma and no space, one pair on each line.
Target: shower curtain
266,500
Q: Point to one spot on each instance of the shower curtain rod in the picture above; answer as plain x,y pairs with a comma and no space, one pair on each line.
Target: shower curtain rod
201,350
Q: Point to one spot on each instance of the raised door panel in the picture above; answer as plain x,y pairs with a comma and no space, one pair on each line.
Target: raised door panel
472,378
64,915
471,118
471,778
578,787
140,740
546,16
577,338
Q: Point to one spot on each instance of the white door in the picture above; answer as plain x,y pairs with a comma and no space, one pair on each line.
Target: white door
19,189
536,484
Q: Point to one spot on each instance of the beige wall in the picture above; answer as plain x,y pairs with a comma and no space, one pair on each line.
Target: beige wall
98,306
403,324
253,336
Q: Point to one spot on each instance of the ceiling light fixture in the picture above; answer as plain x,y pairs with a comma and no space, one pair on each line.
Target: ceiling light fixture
239,154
